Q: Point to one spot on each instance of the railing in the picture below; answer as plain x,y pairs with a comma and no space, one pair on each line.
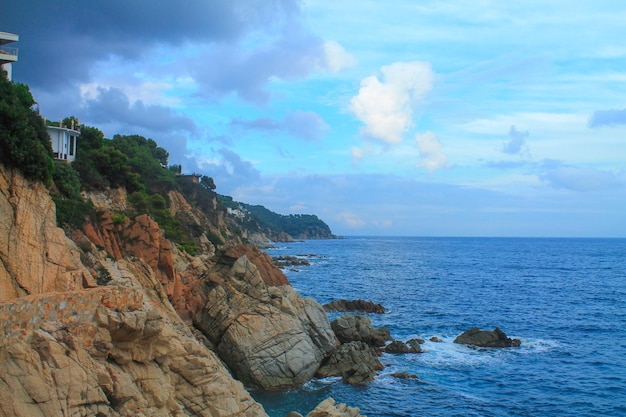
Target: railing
9,51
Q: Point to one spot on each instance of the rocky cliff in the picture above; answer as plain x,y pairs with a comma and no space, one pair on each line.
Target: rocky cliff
101,324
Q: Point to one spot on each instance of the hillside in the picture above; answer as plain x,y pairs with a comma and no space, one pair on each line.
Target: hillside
276,226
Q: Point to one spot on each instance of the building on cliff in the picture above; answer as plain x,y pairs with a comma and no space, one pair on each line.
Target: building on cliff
64,141
8,55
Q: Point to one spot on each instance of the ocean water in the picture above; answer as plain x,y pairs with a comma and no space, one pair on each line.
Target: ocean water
565,299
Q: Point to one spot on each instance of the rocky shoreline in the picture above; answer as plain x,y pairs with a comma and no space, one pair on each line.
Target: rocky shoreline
117,321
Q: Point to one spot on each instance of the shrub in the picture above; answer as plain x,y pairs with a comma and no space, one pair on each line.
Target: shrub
24,140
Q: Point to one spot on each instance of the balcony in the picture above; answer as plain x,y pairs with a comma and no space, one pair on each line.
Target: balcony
8,54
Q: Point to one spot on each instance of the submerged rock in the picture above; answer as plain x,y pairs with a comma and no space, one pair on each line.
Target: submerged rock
403,375
486,338
354,305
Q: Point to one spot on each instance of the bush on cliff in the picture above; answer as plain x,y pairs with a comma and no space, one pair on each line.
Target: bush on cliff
24,141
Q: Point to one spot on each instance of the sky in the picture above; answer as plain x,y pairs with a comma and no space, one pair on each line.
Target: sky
397,118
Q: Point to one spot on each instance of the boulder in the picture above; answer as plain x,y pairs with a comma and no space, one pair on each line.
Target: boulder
329,408
397,346
415,345
355,362
269,336
403,375
435,339
486,338
270,274
350,328
354,305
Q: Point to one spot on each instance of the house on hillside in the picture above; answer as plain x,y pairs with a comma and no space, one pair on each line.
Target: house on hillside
8,55
63,141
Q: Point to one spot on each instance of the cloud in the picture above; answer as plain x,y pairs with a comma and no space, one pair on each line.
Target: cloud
226,47
336,57
432,157
85,32
585,179
112,106
601,118
229,171
306,125
357,154
386,106
293,53
350,220
516,143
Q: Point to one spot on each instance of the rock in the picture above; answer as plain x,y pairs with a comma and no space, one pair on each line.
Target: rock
397,346
329,408
270,274
110,351
35,255
486,338
269,336
403,375
415,345
355,362
285,261
350,328
435,339
354,305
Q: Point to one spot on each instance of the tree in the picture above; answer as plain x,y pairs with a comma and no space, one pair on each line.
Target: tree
24,140
207,182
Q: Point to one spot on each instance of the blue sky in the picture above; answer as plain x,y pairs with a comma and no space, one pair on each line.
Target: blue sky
464,118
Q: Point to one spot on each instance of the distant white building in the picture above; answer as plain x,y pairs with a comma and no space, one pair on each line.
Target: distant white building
63,142
8,55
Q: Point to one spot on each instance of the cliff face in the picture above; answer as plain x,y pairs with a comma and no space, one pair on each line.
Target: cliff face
70,347
35,256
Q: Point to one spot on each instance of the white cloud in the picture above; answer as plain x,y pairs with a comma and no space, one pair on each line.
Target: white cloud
350,220
336,57
357,154
386,106
432,157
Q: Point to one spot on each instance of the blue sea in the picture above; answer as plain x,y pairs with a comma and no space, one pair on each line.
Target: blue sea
565,299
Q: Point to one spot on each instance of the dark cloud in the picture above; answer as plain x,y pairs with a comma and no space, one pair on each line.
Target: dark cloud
113,106
306,125
228,170
61,40
516,143
607,118
222,70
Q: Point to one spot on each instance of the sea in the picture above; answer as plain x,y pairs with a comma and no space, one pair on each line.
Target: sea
565,299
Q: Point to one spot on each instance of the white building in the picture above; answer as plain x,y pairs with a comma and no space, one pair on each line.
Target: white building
8,55
63,142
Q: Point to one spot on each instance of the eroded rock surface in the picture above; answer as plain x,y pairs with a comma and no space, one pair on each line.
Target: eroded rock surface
356,362
110,351
351,328
269,336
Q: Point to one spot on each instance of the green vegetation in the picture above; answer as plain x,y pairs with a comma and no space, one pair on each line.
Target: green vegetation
295,225
24,141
